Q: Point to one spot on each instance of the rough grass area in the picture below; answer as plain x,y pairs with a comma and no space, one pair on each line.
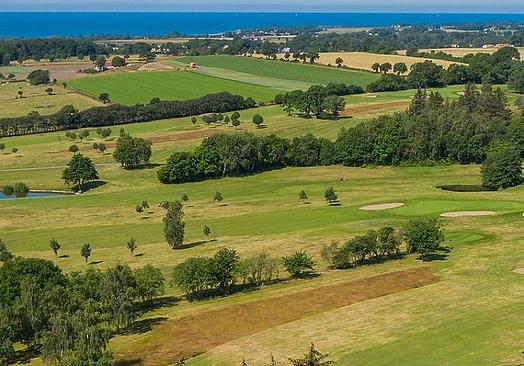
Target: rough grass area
188,336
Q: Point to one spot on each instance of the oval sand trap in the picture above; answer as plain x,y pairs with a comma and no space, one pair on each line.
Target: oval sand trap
383,206
467,213
519,271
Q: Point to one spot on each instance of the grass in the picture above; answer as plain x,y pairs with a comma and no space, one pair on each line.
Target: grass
305,73
141,87
473,314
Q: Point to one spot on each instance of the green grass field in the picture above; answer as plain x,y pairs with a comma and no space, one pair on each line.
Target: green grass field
472,315
305,73
141,87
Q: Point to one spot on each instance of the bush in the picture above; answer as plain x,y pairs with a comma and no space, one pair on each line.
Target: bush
21,189
8,190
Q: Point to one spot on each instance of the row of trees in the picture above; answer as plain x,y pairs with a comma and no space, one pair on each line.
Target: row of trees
321,101
69,319
70,118
431,130
422,236
201,276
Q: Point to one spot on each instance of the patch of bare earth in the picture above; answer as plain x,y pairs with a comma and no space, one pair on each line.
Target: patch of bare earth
383,206
64,71
196,334
155,66
467,213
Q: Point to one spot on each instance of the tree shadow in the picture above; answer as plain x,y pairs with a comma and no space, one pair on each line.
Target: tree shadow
90,185
143,166
129,362
63,256
95,262
139,254
435,257
191,245
158,303
334,203
143,326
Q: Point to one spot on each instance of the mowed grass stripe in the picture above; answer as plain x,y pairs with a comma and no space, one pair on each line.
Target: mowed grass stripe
141,87
196,334
311,74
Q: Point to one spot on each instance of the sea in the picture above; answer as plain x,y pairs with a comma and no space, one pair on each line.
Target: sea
151,24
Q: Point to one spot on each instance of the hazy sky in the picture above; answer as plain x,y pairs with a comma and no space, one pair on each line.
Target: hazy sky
431,6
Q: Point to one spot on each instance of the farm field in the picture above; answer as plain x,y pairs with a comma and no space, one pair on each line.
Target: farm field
473,312
460,52
305,73
364,60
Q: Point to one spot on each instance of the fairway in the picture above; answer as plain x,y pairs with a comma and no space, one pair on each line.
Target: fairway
141,87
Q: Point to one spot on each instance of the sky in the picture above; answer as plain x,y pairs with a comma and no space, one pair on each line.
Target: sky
425,6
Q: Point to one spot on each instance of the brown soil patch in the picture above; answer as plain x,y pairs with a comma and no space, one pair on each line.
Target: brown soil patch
196,334
155,66
63,72
373,107
467,213
383,206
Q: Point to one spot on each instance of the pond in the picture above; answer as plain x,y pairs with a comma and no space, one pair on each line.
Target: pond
31,195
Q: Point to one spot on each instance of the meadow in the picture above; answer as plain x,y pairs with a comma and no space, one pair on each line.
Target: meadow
464,309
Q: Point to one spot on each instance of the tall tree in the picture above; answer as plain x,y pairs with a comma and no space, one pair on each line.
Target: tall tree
298,263
502,167
55,245
85,251
118,295
80,169
132,152
311,358
174,227
150,282
131,245
423,236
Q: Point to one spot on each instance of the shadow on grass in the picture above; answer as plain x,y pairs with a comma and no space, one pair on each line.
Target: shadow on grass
334,203
435,257
95,262
158,303
139,254
90,185
63,256
191,245
143,166
143,326
130,362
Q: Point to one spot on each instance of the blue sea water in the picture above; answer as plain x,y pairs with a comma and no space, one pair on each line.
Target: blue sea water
45,24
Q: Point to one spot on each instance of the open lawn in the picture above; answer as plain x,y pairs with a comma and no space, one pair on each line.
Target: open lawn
473,314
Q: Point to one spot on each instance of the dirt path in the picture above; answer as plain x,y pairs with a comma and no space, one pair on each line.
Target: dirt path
195,334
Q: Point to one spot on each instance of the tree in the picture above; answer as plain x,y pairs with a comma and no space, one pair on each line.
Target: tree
14,150
38,77
131,245
100,62
2,146
423,236
224,268
174,227
49,91
119,291
298,263
150,282
184,198
235,122
104,98
334,104
8,190
20,93
105,133
385,67
85,251
193,275
73,148
375,67
206,231
147,56
193,120
102,147
339,61
5,255
258,119
83,134
400,68
302,196
312,358
80,169
132,152
218,196
118,61
330,195
139,208
55,245
502,167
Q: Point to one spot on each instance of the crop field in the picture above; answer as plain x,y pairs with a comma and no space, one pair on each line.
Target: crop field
141,87
305,73
465,309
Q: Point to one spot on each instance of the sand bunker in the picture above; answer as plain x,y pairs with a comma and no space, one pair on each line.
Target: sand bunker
519,271
467,213
383,206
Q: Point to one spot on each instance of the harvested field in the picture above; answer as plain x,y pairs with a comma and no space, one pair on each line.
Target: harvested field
195,334
467,213
364,60
63,72
383,206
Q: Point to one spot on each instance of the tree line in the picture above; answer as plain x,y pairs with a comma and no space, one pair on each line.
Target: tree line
69,318
431,131
70,118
